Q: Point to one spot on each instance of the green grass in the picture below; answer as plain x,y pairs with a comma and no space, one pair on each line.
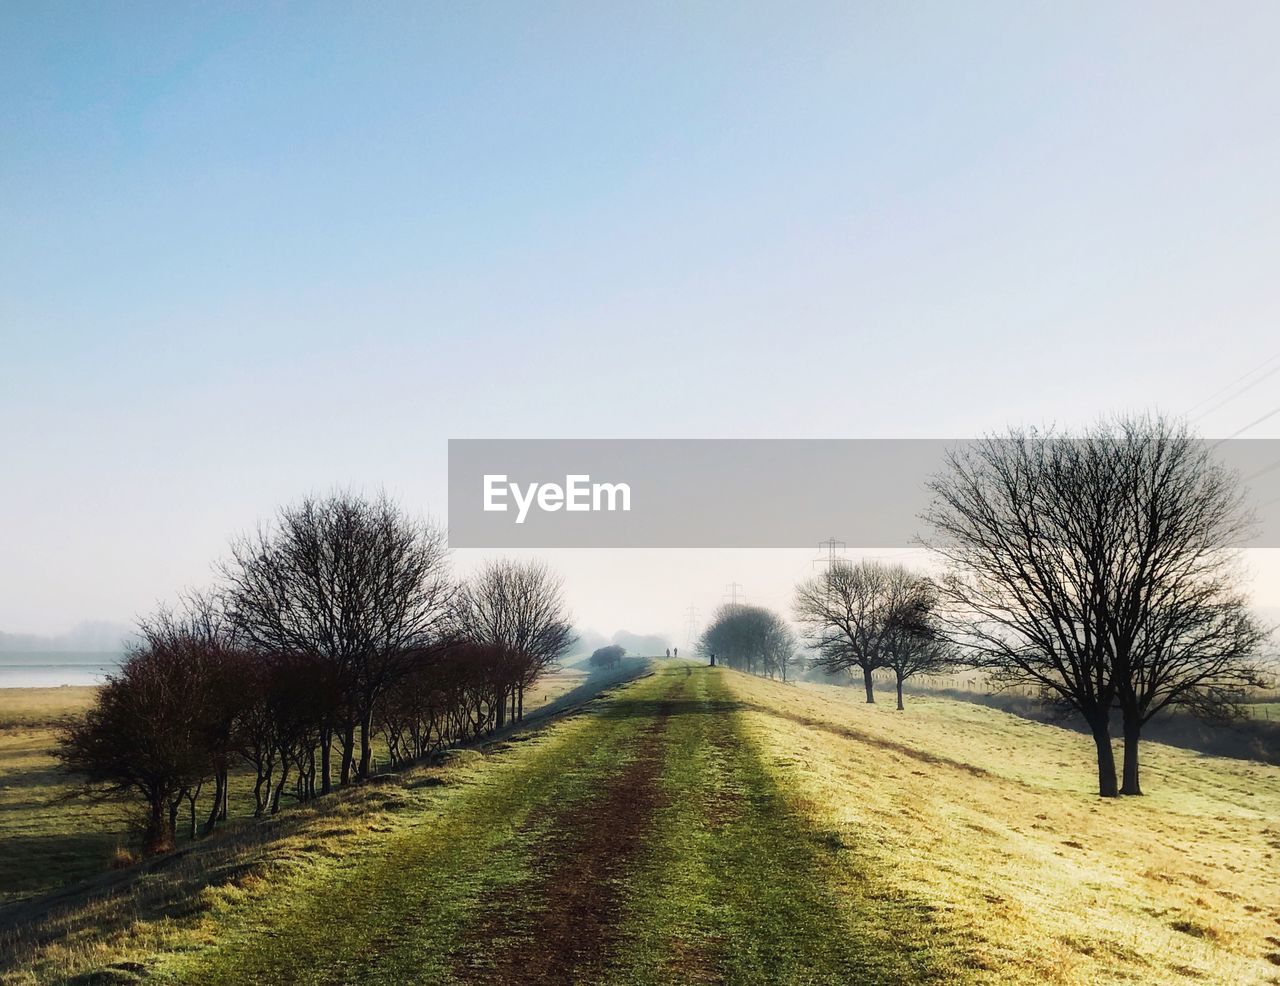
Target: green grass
642,841
747,899
46,840
348,923
701,825
1264,710
737,885
993,820
43,707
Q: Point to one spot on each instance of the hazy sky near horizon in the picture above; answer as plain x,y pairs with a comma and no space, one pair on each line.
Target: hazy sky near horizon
252,252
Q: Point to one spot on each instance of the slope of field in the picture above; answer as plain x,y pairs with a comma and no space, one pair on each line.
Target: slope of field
700,825
991,818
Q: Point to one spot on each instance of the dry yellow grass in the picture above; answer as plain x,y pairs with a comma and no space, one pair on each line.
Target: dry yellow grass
41,707
992,820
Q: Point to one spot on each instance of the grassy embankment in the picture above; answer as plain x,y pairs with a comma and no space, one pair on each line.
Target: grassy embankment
642,841
991,818
704,825
49,836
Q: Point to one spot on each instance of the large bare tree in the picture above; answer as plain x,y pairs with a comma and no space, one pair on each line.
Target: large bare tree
353,582
1178,627
1098,568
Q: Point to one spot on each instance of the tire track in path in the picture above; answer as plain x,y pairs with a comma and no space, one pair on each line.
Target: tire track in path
559,925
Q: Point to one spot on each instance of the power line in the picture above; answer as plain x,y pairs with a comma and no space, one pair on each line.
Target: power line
1230,397
1223,390
1262,472
1256,421
732,590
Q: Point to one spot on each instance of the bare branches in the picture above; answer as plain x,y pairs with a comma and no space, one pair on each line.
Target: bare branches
352,582
871,616
336,621
1100,568
517,610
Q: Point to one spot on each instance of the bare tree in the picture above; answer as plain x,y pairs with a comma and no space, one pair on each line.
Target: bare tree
916,643
1097,568
199,638
1021,589
517,610
353,582
1178,627
850,614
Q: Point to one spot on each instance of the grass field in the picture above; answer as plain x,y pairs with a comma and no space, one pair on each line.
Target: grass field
700,825
45,841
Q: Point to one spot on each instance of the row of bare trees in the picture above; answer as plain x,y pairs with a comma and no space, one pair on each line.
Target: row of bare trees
1100,568
335,626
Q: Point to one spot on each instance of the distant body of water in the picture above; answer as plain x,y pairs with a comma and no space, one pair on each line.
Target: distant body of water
49,669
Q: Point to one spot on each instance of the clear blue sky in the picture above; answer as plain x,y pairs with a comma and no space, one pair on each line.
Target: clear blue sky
250,252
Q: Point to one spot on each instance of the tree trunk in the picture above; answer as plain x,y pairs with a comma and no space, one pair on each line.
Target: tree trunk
326,752
1107,787
900,706
260,803
870,686
366,749
279,789
156,837
219,795
502,708
520,703
1132,735
348,751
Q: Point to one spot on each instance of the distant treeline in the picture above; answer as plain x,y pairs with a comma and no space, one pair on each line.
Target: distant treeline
338,624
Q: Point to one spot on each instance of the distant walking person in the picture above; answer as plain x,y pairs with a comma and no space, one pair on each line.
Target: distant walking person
675,652
668,652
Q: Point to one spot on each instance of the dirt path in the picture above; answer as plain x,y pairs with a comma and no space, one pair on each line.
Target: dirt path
559,926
